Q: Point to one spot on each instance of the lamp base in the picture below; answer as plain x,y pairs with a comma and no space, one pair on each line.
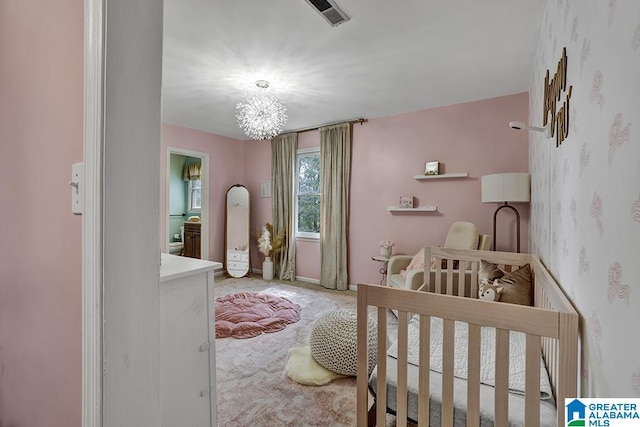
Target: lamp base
495,217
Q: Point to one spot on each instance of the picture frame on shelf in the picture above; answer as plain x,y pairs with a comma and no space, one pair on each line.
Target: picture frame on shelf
406,202
432,168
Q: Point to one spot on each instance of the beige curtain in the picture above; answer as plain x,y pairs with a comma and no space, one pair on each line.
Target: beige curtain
283,159
191,171
335,160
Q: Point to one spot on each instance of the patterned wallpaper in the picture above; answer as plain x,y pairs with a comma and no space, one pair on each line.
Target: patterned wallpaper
585,211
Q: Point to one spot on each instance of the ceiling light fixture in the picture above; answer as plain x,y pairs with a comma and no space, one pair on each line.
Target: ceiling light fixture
261,116
519,126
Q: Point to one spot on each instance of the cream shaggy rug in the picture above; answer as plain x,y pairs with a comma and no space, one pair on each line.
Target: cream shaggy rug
252,386
302,368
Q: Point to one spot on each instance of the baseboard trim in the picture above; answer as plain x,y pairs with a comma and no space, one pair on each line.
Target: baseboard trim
317,282
308,280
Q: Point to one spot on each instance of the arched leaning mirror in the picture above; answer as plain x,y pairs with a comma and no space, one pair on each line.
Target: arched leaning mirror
237,231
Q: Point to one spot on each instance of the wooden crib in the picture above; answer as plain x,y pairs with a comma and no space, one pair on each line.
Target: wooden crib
551,328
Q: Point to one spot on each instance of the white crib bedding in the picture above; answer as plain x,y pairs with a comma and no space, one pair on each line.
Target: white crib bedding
516,401
487,376
517,354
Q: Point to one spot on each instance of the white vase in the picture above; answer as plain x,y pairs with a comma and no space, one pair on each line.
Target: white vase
386,252
267,269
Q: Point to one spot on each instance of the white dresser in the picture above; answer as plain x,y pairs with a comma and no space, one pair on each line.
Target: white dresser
187,342
237,262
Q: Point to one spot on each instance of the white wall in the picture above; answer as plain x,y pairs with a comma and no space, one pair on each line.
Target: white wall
585,211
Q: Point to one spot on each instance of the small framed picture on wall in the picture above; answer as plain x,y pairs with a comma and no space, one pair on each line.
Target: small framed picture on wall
406,202
265,189
432,168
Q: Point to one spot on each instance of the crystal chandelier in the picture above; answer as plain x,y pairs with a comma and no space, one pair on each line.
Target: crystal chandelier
261,116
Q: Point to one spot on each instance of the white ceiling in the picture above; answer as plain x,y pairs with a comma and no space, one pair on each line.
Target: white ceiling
393,56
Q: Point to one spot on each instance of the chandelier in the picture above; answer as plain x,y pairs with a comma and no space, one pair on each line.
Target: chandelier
261,116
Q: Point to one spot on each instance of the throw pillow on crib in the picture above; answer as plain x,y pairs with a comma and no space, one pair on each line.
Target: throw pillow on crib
488,272
516,286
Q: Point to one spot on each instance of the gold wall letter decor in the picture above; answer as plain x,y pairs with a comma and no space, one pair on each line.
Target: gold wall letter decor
552,93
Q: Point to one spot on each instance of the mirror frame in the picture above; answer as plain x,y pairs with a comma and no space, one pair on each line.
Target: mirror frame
226,232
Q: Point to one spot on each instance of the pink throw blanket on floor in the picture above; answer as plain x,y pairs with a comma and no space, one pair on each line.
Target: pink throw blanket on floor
249,314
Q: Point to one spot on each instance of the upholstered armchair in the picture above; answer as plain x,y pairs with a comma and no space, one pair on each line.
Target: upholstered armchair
461,235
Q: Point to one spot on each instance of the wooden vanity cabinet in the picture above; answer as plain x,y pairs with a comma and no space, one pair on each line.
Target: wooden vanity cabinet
192,239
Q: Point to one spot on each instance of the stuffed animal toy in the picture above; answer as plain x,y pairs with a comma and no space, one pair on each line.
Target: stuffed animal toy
489,291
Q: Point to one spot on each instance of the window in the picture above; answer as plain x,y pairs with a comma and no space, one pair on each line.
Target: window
195,195
307,187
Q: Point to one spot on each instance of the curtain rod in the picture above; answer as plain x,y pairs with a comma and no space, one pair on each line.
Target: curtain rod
360,120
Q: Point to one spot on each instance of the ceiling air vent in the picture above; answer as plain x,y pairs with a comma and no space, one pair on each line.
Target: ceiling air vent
330,11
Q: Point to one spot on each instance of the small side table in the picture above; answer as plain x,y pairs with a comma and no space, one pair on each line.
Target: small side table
383,269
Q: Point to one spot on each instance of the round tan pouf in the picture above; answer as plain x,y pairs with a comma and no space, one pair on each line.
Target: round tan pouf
334,345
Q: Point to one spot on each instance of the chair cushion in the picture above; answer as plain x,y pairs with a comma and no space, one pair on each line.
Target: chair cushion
462,235
397,280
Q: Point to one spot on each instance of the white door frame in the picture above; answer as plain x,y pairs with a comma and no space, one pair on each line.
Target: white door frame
204,212
94,77
120,340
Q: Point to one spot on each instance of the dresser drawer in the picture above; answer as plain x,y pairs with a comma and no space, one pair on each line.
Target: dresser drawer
237,265
234,256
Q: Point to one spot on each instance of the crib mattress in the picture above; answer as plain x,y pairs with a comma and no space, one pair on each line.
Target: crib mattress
516,401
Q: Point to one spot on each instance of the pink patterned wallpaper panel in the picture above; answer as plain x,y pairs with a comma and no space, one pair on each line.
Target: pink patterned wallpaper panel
585,207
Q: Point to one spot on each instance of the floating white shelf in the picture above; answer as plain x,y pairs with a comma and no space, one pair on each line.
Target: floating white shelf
443,176
418,209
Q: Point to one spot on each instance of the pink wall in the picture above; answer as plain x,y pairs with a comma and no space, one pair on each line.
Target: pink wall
387,152
472,137
257,167
41,109
226,169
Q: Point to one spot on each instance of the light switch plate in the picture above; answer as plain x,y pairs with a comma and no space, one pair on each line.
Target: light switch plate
77,188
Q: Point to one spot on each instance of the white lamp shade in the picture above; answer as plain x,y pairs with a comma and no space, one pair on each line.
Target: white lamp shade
506,187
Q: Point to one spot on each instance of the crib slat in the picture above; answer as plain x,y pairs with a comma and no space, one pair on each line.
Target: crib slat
448,344
423,372
473,377
362,403
532,381
449,277
473,292
502,378
401,406
381,379
568,349
462,268
426,280
553,359
438,276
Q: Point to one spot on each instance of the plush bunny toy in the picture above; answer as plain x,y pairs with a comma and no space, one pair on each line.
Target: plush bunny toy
490,291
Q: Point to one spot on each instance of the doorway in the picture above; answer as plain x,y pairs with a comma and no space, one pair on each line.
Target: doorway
187,200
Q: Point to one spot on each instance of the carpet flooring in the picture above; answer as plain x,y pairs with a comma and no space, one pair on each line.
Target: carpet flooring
252,387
